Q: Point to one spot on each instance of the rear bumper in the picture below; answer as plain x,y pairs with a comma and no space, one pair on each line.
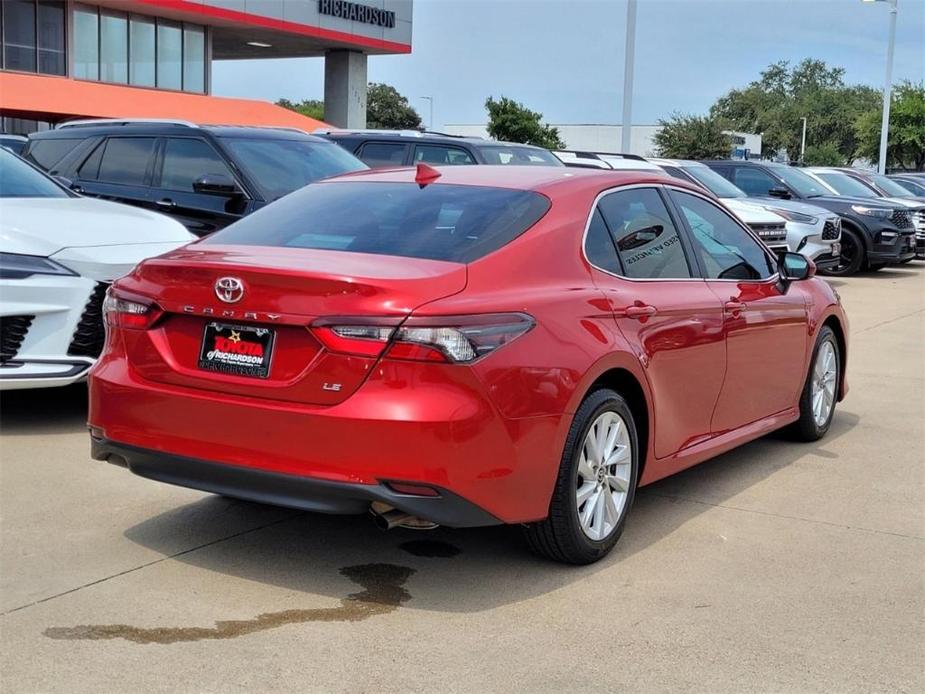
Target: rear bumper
414,423
291,491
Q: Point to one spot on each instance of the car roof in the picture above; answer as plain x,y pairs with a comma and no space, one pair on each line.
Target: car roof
536,178
417,137
109,127
680,163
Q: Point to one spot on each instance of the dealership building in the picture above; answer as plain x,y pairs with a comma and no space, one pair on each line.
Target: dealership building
61,59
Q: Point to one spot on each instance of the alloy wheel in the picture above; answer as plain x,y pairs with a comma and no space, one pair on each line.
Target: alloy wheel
848,256
605,466
825,371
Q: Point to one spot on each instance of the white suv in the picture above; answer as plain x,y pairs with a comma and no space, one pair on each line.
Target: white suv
60,252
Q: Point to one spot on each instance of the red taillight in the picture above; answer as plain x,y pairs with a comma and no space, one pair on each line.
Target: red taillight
365,337
129,311
451,339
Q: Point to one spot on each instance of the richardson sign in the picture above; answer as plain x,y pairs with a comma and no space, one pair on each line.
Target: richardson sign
356,12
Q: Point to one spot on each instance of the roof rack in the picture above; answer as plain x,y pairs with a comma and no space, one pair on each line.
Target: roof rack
90,122
586,154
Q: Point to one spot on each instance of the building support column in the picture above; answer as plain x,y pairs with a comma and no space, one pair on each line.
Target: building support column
345,89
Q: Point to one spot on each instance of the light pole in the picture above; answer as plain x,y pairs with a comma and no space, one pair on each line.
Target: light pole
627,127
803,141
887,86
430,123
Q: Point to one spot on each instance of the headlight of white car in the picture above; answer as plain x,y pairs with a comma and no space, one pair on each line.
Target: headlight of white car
878,212
792,216
14,266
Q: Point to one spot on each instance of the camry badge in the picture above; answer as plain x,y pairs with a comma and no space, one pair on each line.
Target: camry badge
229,289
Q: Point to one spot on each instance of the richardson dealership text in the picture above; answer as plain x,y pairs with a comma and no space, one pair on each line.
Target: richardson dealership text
357,13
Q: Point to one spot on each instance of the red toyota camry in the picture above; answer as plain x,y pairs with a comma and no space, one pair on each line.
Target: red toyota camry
465,346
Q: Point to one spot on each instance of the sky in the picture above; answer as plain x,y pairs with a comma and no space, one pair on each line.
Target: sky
565,58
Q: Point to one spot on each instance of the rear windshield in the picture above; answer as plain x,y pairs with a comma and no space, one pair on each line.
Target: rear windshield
439,222
278,167
518,156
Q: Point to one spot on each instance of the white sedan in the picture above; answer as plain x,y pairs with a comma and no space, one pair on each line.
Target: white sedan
58,254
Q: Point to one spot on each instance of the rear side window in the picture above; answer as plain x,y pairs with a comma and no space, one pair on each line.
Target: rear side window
439,222
599,245
441,156
383,154
647,240
125,160
186,159
47,153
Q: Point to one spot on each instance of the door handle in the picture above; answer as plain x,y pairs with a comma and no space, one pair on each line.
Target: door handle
640,311
733,306
166,202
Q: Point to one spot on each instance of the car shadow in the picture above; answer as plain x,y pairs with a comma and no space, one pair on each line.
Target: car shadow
44,411
464,570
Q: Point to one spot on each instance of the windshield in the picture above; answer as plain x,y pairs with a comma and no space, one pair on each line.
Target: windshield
19,180
519,156
912,187
801,182
845,185
714,182
438,222
889,186
278,167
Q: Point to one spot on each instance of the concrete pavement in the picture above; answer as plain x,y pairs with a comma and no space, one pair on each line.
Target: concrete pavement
776,567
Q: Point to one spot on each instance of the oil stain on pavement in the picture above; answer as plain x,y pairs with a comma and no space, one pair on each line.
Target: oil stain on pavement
383,592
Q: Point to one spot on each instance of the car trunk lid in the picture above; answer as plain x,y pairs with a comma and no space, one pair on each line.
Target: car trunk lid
283,291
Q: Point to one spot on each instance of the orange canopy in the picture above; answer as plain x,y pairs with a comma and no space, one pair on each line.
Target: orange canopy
57,98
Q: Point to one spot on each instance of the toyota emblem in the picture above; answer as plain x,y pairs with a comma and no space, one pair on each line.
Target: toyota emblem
229,289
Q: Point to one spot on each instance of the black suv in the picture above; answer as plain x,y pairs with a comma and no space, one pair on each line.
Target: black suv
874,233
381,148
206,177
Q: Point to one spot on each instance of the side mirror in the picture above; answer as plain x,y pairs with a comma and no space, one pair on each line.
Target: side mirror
779,192
794,267
63,180
216,184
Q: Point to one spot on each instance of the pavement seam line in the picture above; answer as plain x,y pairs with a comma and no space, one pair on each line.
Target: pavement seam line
780,515
891,320
147,564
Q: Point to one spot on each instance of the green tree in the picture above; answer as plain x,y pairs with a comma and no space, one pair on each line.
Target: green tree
387,109
313,108
510,121
684,136
775,104
826,154
906,138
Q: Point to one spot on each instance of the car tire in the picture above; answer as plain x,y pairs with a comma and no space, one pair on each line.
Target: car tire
575,531
822,381
853,255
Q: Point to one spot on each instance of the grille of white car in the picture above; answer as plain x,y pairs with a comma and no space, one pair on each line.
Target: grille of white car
918,221
13,331
770,233
832,229
89,337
